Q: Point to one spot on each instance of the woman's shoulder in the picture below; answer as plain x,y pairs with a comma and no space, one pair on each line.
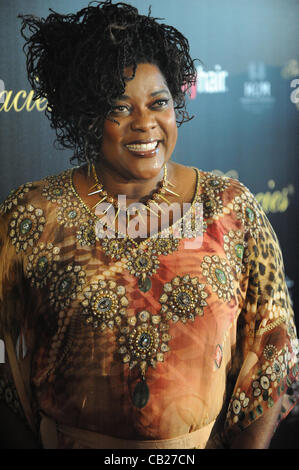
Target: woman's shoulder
215,190
216,180
214,186
223,195
37,193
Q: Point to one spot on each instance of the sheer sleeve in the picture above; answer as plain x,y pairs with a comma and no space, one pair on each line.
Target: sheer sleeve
265,360
15,332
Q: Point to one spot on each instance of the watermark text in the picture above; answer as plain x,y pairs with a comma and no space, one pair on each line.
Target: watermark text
2,352
142,221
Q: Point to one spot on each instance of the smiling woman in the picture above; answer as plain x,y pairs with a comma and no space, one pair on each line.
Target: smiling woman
169,339
140,133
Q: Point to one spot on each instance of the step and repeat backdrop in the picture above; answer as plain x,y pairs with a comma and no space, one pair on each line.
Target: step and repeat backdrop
245,103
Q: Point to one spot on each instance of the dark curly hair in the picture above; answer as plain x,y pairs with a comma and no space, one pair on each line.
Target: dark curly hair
77,62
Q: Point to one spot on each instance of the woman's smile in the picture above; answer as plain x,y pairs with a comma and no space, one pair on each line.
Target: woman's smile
144,149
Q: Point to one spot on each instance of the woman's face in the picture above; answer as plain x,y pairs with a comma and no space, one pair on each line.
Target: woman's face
146,135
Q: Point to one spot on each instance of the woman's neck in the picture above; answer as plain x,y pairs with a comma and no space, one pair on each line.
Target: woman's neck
134,190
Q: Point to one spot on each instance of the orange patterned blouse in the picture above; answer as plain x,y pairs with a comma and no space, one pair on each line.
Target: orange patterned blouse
207,337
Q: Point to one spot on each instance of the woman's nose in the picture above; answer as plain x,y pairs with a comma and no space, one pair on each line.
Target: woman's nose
143,121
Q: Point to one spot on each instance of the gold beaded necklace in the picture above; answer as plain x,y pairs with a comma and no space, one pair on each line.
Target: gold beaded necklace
158,196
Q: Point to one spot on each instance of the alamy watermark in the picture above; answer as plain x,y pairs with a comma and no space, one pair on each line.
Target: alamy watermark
176,220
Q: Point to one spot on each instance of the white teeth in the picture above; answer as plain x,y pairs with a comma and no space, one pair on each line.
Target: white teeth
144,147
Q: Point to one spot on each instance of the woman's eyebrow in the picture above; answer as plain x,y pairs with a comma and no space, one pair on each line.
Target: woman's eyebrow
123,97
163,90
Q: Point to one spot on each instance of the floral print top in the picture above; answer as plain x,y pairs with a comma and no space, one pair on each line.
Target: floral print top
207,336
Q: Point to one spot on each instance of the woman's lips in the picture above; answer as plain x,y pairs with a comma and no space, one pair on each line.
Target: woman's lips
145,149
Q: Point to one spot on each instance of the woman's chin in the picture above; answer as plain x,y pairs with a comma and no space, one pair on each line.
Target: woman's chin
147,168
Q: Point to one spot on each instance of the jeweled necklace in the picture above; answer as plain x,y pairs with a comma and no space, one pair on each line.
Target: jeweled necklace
158,196
142,257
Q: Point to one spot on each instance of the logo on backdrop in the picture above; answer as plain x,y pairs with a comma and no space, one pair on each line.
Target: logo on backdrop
212,81
257,96
209,81
20,101
291,71
295,94
275,200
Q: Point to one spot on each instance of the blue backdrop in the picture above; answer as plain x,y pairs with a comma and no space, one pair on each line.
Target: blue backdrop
245,102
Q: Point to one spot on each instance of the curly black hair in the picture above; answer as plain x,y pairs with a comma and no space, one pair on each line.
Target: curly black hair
77,62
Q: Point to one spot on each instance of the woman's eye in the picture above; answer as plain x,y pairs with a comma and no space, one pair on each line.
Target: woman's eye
119,109
161,103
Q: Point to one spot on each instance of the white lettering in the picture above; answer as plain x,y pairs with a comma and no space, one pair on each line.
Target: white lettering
211,81
257,89
132,220
2,90
2,352
295,93
115,460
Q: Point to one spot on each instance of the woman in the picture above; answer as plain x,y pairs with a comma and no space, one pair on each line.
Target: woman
129,337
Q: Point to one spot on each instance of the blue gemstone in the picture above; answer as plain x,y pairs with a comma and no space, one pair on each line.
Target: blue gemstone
144,341
145,285
65,285
141,394
143,261
42,264
183,299
25,226
104,304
